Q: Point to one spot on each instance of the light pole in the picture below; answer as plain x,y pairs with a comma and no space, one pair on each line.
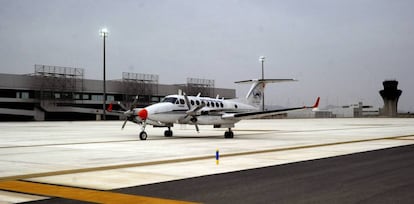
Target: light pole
104,34
261,59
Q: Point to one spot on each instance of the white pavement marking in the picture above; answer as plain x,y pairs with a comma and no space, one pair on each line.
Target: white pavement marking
11,197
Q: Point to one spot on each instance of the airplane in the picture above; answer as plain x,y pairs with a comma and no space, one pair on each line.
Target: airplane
197,110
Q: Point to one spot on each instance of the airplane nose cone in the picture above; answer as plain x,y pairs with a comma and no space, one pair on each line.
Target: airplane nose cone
143,114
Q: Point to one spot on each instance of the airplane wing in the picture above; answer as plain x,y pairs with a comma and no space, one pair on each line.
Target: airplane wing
258,114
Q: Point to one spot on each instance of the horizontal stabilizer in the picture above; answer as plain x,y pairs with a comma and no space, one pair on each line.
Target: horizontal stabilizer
264,80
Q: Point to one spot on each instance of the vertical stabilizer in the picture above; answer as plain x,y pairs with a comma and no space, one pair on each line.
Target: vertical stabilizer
254,96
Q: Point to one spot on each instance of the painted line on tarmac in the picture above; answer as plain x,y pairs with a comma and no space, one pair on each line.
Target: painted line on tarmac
80,194
63,144
311,146
402,138
158,162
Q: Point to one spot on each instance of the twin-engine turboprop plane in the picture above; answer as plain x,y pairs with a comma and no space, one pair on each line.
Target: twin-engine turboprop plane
197,110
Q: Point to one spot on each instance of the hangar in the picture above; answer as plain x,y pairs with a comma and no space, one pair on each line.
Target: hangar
62,93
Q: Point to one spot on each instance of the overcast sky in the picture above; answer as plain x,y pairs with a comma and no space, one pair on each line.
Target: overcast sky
339,50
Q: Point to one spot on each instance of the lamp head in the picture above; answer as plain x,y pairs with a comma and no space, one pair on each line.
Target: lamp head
262,58
103,32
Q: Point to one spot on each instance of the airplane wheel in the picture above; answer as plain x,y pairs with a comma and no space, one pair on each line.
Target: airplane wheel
168,133
143,135
228,134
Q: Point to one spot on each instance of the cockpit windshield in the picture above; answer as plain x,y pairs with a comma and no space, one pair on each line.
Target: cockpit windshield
170,100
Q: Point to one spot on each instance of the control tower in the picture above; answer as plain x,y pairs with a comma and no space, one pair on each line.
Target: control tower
390,95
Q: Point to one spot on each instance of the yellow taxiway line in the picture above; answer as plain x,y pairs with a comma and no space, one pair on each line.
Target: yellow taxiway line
87,195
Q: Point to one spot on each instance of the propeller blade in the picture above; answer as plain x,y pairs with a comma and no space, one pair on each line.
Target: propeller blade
122,106
187,101
198,130
123,125
199,107
134,103
128,113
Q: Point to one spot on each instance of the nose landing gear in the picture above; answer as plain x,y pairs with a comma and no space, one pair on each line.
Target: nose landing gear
143,135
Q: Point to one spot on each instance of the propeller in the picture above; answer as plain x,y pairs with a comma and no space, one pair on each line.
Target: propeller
192,111
130,113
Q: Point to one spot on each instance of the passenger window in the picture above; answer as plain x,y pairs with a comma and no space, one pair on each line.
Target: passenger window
217,104
212,104
182,101
221,104
208,104
198,102
192,102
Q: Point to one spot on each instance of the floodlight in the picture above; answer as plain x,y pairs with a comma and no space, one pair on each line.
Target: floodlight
103,32
262,58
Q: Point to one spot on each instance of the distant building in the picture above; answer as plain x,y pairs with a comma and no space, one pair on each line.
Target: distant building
324,114
355,111
62,93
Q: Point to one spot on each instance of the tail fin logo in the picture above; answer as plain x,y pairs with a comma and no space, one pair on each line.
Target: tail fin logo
257,94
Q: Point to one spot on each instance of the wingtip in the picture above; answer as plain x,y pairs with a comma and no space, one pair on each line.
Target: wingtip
110,107
316,105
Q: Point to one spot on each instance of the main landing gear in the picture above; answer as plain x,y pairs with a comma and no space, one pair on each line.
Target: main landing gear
228,134
168,133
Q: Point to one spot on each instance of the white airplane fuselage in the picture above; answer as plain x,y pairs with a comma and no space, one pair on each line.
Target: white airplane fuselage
174,110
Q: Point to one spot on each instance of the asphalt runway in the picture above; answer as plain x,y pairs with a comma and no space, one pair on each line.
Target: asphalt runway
380,176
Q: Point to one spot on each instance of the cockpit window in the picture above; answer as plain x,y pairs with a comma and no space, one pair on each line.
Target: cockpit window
170,100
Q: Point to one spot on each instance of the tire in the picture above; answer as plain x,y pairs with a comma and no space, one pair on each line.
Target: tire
228,134
143,135
168,133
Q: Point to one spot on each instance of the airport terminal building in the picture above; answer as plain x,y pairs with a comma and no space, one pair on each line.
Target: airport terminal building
62,93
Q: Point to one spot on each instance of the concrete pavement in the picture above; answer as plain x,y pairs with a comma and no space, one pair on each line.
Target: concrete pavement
98,155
